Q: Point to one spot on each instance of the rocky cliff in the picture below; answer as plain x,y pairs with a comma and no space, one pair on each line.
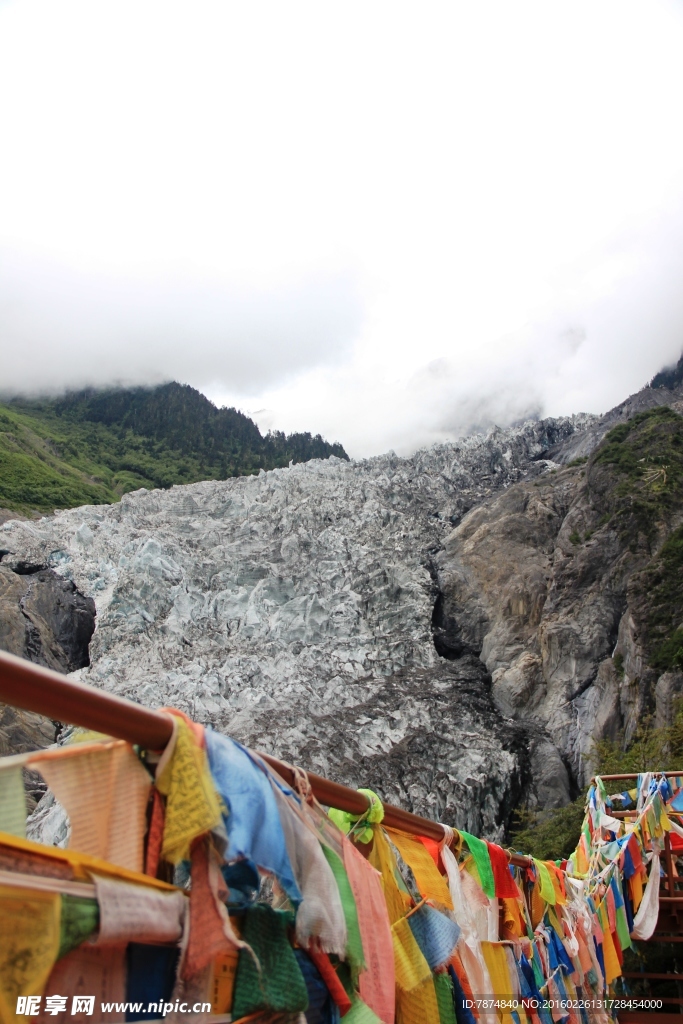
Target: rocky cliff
430,627
44,619
569,587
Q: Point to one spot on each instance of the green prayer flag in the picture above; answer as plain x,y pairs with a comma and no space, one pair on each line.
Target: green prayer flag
276,982
354,944
622,920
482,859
79,918
360,1013
547,887
622,929
539,977
443,986
12,801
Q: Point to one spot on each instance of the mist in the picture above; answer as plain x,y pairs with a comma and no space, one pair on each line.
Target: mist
65,328
389,226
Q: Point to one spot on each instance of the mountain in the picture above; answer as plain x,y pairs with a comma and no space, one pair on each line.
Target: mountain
455,629
569,588
90,447
670,378
295,610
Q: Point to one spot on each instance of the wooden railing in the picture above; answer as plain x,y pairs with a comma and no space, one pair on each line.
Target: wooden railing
34,688
669,930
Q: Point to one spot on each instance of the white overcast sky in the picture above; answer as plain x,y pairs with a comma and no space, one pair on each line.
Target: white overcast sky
389,223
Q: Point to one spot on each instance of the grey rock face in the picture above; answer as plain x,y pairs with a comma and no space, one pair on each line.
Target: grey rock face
49,823
542,585
295,610
44,619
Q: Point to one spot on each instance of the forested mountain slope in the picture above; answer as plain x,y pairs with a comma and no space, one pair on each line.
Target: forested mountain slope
90,447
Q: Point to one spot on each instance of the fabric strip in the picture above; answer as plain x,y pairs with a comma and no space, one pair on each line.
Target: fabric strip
132,913
252,821
29,942
505,885
431,884
331,979
12,800
482,859
155,834
104,790
79,918
98,971
645,920
273,981
435,934
411,967
377,982
19,880
382,858
320,915
52,862
192,806
207,937
547,889
354,945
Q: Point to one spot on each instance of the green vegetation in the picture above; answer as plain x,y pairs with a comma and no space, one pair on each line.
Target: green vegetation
670,652
90,447
550,837
643,463
651,749
661,587
636,482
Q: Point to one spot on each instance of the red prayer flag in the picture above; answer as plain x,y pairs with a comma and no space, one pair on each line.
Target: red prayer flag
505,885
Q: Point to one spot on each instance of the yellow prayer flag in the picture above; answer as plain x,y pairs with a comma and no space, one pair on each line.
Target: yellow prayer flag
410,965
431,884
636,883
581,856
192,806
612,965
419,1006
29,943
499,972
546,883
383,860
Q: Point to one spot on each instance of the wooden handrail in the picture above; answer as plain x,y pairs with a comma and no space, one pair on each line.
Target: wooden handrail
34,688
634,775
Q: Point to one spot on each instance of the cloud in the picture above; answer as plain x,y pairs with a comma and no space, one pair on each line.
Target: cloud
612,320
387,228
65,327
